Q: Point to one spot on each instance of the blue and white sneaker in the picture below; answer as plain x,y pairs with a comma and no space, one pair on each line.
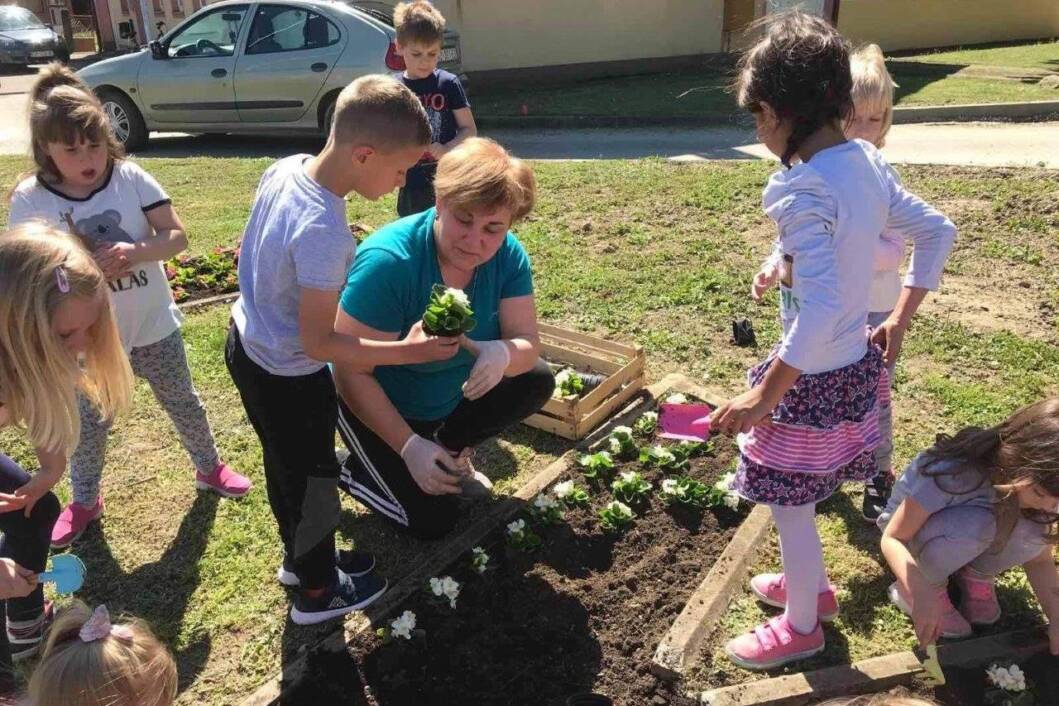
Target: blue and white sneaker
348,561
345,596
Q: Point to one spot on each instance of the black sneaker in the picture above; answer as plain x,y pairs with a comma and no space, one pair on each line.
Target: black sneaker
877,495
345,596
348,561
25,636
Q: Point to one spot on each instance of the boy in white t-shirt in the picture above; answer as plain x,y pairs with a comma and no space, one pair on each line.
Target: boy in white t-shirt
125,218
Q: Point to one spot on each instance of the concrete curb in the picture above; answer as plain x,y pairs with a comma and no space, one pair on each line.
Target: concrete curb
1006,112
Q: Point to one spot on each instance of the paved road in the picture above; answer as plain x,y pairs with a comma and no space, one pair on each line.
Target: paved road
980,144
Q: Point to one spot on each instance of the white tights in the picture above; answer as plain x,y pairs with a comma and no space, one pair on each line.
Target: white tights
803,563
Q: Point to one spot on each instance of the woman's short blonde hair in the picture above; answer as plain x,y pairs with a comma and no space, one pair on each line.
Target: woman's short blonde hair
480,175
872,84
128,669
40,267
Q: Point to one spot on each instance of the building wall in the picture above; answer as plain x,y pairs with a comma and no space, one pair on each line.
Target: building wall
171,12
915,24
512,34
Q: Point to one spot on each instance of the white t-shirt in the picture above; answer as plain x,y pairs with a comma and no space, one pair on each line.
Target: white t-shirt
115,212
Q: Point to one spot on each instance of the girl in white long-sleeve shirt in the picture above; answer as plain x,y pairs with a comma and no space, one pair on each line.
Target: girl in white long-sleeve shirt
873,104
810,420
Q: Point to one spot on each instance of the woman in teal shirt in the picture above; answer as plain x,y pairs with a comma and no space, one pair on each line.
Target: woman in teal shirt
410,429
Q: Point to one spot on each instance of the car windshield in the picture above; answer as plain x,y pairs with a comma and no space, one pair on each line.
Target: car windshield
18,18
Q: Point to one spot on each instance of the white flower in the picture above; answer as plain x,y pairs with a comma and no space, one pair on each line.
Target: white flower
458,295
563,489
447,587
620,508
615,446
677,398
1010,679
629,476
562,376
516,527
650,416
731,500
669,486
725,483
479,560
543,502
402,627
622,432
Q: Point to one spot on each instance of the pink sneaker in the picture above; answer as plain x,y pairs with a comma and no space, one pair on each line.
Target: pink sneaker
978,601
774,644
771,589
953,625
224,481
73,521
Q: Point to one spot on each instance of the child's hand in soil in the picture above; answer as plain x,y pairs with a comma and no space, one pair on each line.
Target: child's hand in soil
926,617
427,348
743,413
764,280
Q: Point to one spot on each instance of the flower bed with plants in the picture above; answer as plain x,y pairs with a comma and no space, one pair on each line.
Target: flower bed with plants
1034,682
199,276
574,593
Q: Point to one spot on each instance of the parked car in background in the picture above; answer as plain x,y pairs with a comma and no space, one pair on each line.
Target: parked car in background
24,39
244,67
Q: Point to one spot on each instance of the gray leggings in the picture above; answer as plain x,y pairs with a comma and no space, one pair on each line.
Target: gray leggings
164,366
884,452
963,536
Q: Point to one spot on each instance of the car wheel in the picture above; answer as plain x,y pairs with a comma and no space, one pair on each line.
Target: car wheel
125,120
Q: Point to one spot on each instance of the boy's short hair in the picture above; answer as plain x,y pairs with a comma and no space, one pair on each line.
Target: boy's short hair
872,83
418,22
480,175
380,111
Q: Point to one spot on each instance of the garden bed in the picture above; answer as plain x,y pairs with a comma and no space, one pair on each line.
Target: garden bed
583,611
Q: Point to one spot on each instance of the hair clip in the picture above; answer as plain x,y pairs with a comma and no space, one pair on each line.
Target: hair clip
98,627
62,280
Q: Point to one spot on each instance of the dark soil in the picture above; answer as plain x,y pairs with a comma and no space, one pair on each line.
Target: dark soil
583,613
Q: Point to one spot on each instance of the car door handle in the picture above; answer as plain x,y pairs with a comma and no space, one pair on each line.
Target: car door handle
219,73
319,66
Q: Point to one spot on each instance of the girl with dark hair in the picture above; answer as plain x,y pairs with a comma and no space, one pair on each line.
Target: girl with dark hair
811,418
970,507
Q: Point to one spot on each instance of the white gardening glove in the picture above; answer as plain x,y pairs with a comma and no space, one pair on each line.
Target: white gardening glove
423,457
488,370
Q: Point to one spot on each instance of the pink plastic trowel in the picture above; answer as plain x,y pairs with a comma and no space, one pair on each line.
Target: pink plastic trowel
687,422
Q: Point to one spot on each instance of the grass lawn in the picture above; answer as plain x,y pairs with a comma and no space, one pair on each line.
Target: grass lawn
648,251
1038,55
924,79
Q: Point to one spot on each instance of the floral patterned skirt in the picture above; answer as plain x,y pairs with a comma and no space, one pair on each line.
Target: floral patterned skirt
823,433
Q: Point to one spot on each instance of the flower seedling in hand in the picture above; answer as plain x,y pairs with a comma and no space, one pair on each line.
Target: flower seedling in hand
621,444
570,495
448,312
616,517
647,424
631,488
521,538
598,467
479,560
546,509
659,457
446,588
569,383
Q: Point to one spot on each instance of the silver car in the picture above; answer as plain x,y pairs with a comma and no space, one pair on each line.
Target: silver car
248,67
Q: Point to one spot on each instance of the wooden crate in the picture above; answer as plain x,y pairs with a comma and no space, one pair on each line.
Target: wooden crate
621,365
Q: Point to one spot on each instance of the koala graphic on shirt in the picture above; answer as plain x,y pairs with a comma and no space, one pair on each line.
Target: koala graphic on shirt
104,226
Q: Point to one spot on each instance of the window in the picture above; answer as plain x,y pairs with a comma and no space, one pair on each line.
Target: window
279,28
177,7
158,7
213,34
125,8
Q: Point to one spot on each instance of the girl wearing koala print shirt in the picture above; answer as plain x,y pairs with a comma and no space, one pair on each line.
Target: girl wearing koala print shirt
82,184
